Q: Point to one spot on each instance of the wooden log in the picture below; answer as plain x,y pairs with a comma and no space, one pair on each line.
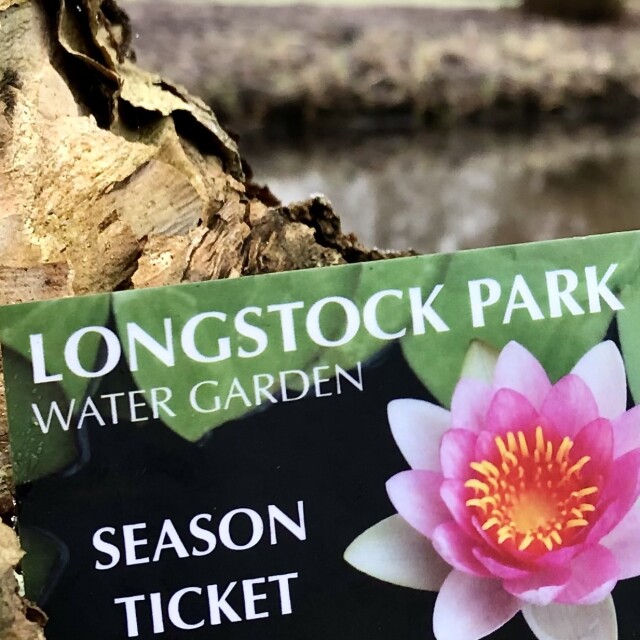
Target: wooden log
110,178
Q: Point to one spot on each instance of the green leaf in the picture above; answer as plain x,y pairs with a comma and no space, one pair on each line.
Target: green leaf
56,320
149,308
393,314
34,454
558,343
43,559
629,330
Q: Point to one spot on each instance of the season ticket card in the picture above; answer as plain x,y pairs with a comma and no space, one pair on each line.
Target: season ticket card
440,447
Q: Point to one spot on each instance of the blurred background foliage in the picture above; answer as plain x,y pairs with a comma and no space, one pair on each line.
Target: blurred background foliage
430,124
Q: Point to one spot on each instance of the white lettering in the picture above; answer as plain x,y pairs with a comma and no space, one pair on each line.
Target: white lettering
424,311
298,529
478,302
558,296
286,322
351,328
598,289
257,529
188,339
164,353
106,547
174,609
131,613
521,290
37,361
72,352
370,315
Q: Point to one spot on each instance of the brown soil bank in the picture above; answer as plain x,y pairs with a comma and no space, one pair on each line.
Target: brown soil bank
307,65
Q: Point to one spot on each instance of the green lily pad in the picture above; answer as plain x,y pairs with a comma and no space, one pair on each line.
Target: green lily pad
244,362
43,559
557,342
34,453
19,322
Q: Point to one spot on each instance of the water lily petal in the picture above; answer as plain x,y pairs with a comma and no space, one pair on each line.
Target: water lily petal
596,441
469,404
540,587
480,361
602,369
519,370
469,608
416,497
499,569
623,543
486,537
485,446
456,547
511,411
454,494
558,557
594,573
417,427
626,432
568,622
457,452
619,495
394,552
570,405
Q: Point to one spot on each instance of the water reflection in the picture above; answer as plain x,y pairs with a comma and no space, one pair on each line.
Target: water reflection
470,189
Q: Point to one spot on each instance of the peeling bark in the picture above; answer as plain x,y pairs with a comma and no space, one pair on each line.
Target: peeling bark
111,178
18,619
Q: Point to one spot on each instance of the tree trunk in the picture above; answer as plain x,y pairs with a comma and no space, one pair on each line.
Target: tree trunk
577,9
112,178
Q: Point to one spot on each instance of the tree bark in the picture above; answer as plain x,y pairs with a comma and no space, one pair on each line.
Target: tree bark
113,178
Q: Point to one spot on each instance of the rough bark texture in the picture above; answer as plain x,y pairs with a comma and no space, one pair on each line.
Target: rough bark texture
111,178
18,620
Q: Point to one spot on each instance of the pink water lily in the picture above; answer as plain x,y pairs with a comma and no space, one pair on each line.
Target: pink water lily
523,497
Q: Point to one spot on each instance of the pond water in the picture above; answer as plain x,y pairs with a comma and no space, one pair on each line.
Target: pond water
465,189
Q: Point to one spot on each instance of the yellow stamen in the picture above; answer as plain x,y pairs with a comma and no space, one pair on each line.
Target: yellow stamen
503,537
584,492
555,536
476,502
546,542
533,505
486,468
523,444
563,449
526,542
579,522
491,522
576,468
477,485
549,452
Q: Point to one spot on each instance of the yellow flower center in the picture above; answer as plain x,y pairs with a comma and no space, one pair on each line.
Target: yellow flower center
533,495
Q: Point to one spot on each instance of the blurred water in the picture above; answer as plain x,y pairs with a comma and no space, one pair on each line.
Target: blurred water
465,189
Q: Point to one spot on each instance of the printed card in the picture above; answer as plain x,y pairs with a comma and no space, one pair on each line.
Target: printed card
438,447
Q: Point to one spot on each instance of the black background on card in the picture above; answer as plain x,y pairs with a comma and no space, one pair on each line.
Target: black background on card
335,454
